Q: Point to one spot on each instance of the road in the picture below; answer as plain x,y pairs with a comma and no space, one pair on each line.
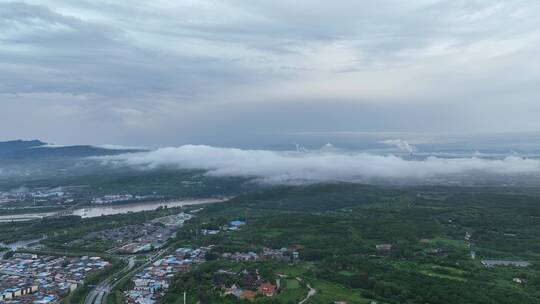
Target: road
100,292
310,294
96,295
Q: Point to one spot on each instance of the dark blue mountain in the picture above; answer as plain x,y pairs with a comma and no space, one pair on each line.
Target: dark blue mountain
18,145
36,149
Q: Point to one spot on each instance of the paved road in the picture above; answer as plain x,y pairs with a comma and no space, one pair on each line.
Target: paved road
95,296
100,292
90,297
100,296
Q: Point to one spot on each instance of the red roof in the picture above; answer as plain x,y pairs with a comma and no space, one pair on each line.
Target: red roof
267,289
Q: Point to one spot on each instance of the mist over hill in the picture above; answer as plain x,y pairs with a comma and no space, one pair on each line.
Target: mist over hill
331,164
397,162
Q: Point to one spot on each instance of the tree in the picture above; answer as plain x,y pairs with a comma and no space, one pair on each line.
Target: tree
8,255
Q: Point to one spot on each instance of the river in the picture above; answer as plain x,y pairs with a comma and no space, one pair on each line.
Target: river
94,211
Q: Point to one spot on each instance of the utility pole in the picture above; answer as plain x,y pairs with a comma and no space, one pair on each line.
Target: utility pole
184,297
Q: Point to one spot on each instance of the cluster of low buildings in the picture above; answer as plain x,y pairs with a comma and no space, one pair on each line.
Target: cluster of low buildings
285,255
231,226
248,285
37,279
148,236
151,283
36,194
48,193
11,197
493,263
383,247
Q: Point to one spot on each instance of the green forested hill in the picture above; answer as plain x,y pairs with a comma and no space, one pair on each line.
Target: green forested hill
432,232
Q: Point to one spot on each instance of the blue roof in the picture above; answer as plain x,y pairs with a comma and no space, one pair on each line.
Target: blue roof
237,223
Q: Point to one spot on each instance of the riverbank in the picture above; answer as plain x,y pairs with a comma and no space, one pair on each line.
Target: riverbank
101,210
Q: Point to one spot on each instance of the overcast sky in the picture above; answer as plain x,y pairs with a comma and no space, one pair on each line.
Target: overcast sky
223,72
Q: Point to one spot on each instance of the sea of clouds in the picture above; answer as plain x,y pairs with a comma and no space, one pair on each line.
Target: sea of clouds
325,165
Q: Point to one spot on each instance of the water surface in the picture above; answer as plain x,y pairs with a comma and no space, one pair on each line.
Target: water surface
95,211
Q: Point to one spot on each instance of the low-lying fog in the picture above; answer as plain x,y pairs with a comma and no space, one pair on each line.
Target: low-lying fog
394,161
330,164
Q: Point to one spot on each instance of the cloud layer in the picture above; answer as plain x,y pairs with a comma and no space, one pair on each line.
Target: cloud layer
325,165
149,73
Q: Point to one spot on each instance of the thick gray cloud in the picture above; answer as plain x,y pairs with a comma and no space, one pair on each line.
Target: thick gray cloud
219,72
324,165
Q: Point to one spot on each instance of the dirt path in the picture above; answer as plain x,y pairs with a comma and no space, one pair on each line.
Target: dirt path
312,291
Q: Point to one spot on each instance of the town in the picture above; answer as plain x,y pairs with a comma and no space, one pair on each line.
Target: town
62,196
153,281
34,197
136,238
41,279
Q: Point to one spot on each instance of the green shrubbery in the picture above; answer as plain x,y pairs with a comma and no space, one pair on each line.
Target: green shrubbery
336,228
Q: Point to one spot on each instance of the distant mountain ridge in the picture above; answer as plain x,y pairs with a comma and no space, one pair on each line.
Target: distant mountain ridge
36,149
17,145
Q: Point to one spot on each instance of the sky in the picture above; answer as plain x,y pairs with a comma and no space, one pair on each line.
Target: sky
236,73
